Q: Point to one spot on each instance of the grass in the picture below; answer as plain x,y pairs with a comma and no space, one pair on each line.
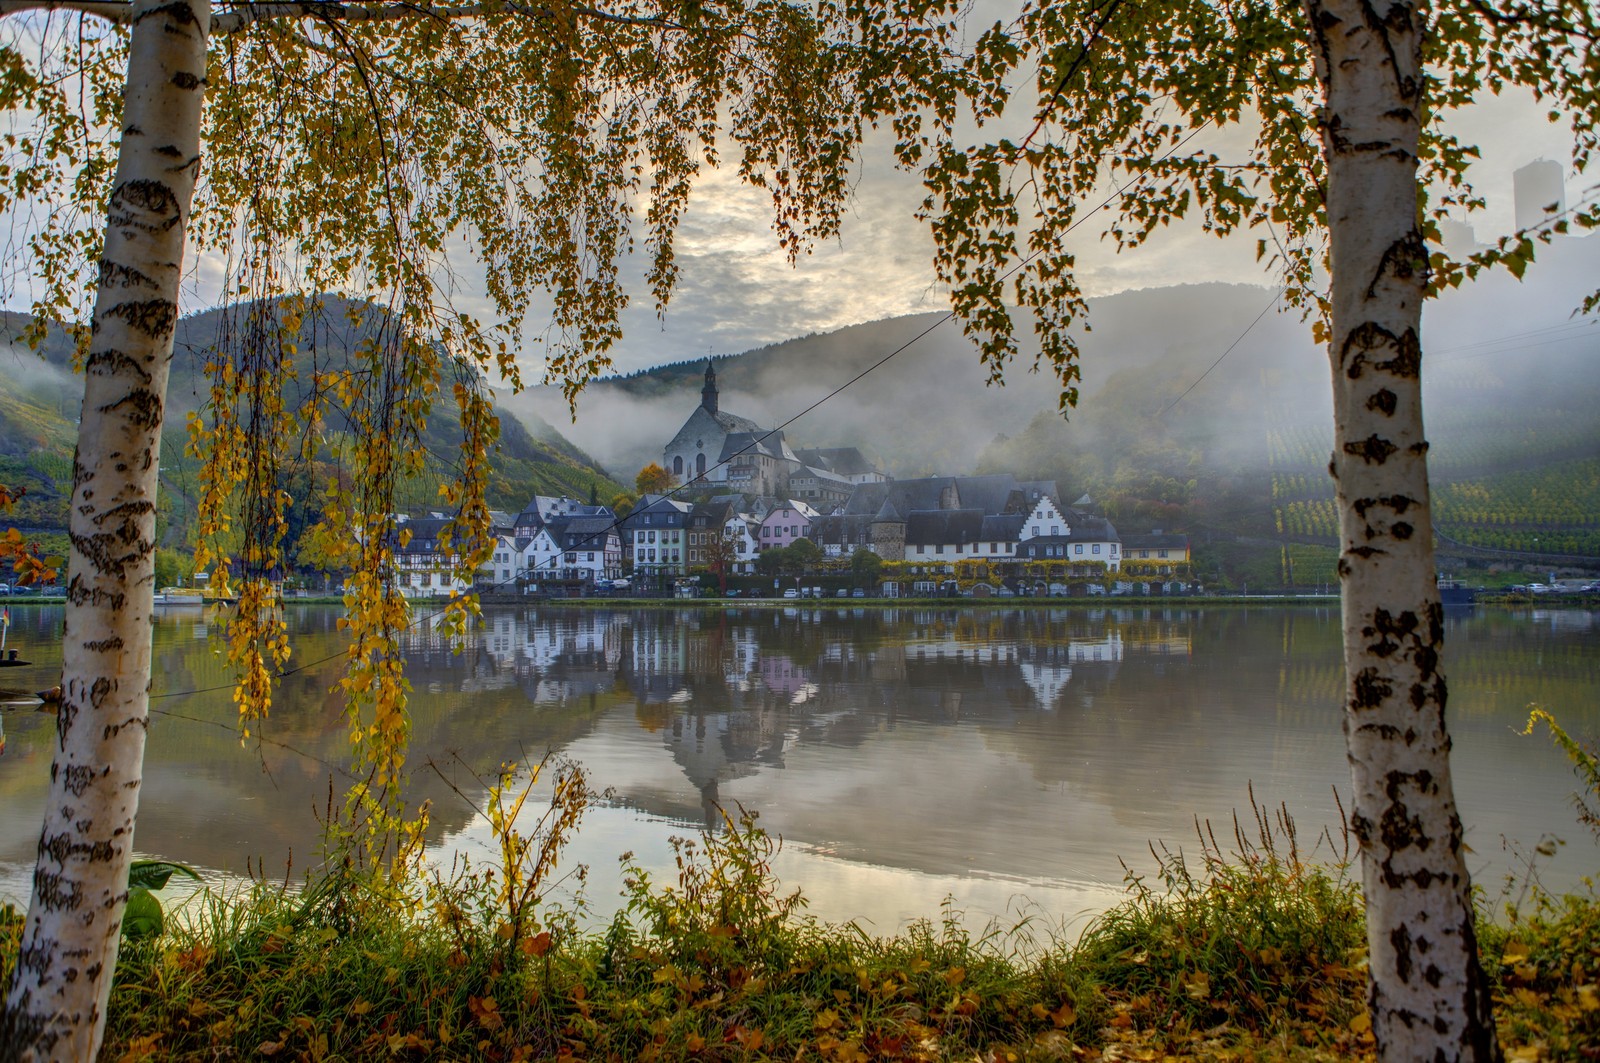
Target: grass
1249,954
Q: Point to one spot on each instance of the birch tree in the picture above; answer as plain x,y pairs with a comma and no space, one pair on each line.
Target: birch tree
1348,173
363,150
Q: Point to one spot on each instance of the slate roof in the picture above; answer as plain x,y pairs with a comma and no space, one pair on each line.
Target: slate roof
993,494
1155,541
1003,527
581,533
843,461
938,526
756,442
840,530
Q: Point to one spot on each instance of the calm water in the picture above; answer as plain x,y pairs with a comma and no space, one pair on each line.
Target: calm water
1005,758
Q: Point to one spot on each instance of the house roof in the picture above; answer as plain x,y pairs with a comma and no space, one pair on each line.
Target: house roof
842,461
840,530
938,526
1155,541
756,442
992,494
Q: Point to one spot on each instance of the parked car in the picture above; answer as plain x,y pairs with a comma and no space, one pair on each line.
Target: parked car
859,592
791,593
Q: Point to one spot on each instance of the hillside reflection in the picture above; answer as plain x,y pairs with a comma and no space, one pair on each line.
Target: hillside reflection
1030,744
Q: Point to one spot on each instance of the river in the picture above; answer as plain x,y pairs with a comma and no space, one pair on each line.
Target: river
1007,758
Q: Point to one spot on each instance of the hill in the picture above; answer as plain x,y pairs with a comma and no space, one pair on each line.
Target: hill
1194,416
39,408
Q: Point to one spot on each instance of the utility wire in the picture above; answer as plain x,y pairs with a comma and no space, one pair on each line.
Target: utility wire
617,523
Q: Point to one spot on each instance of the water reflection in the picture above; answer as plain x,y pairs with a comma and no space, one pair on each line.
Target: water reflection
901,752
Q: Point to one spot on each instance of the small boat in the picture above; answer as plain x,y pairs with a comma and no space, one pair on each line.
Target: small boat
1454,592
8,657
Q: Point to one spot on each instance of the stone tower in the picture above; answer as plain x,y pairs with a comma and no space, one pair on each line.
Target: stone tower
708,394
888,531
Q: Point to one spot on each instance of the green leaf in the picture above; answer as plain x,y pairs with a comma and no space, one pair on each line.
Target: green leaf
153,874
143,916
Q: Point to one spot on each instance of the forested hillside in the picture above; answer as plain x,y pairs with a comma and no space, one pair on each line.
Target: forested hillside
38,429
1195,416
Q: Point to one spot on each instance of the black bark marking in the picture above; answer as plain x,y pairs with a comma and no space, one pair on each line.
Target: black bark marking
1398,503
144,204
1373,450
1407,361
169,151
1369,689
1405,259
117,275
178,12
1401,530
1400,941
112,362
1382,401
185,80
80,593
144,408
56,894
66,712
128,512
78,779
102,689
153,317
104,645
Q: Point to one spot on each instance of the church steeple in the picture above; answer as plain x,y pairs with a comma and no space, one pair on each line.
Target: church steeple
708,394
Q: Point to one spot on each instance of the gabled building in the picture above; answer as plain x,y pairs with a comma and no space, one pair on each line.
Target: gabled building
695,453
846,463
707,522
758,462
589,548
658,528
784,524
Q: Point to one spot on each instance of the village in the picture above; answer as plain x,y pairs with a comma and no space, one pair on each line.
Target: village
746,513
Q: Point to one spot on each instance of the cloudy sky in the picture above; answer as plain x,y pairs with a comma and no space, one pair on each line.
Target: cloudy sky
738,291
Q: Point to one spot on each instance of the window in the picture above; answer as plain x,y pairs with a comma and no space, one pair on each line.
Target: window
1055,529
958,548
589,556
700,465
1078,549
677,466
1113,549
1036,529
1163,553
939,549
1097,548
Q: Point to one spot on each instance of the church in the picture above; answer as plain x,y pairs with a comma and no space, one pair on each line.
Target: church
717,447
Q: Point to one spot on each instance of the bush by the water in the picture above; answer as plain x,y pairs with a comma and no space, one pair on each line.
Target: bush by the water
1252,954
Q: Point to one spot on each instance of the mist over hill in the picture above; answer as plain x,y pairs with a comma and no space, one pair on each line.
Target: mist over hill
39,410
1190,416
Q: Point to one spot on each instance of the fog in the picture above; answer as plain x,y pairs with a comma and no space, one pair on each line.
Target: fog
927,410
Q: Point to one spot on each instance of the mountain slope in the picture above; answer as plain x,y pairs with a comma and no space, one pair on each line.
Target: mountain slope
38,431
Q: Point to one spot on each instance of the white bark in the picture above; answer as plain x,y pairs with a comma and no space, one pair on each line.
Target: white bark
1427,992
56,1003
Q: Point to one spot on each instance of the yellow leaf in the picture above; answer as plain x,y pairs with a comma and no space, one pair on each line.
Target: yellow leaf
1589,998
1361,1023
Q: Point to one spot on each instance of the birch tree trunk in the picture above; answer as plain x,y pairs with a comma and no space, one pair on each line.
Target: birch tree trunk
56,1004
1427,992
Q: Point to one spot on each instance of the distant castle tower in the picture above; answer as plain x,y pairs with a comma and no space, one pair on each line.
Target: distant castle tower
708,394
1540,191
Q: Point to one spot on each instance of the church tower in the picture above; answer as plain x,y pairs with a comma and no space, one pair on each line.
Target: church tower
708,394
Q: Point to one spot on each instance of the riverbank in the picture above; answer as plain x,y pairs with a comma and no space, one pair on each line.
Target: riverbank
1257,956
